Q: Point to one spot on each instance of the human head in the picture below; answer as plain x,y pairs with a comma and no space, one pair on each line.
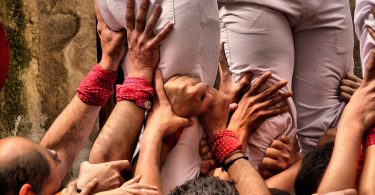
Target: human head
27,168
312,170
205,186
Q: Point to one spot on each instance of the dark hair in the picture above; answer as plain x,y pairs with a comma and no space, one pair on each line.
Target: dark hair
275,191
206,186
31,167
312,170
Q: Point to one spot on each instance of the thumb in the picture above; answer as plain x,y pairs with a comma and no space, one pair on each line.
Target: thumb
185,122
122,165
233,107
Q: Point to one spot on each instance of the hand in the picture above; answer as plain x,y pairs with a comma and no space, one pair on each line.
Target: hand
108,174
348,86
361,107
87,190
227,86
215,117
280,155
186,95
162,120
208,164
133,187
113,44
255,107
143,55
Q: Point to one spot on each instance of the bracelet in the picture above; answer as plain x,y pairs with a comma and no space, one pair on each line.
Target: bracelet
137,90
230,163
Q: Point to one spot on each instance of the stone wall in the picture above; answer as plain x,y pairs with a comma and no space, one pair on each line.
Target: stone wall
53,45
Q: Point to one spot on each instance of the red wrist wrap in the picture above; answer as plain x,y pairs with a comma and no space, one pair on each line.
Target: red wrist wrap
224,143
97,86
369,137
137,90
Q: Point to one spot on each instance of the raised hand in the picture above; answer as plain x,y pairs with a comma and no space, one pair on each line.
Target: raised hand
113,44
186,95
255,107
162,118
227,85
108,174
143,54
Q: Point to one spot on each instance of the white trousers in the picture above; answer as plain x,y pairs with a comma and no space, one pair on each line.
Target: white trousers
363,18
309,43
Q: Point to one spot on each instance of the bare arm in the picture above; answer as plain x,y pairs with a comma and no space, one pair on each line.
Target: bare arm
118,138
162,121
358,116
246,177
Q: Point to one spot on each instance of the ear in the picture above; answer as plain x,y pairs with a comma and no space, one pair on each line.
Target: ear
26,189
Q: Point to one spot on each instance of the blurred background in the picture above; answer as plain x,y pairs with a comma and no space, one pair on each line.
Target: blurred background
53,46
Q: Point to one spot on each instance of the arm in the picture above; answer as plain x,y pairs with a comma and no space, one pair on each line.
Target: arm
246,178
70,131
358,116
118,138
161,122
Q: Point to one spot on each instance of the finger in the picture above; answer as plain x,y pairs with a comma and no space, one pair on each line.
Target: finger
208,156
135,179
203,143
185,123
275,100
278,144
371,32
284,139
129,15
143,186
204,168
161,36
89,187
208,98
273,153
204,150
270,164
265,114
258,83
224,67
152,21
141,192
347,90
350,83
353,77
345,96
122,165
246,80
141,16
200,90
233,107
72,188
270,91
159,86
370,68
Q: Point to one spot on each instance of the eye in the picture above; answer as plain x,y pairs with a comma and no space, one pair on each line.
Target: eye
54,156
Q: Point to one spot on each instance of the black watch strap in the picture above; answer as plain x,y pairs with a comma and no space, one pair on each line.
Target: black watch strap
230,163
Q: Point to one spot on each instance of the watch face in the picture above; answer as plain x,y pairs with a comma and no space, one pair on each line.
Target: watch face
4,56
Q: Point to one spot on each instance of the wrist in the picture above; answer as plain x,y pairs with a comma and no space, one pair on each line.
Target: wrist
241,132
107,63
146,74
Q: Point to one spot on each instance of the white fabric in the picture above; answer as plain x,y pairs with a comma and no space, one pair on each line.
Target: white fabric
363,18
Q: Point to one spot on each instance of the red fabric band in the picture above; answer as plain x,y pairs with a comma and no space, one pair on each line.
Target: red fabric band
137,90
224,143
97,86
369,137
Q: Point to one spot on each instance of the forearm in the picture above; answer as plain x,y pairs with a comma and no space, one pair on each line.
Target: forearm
367,181
119,136
341,171
149,160
285,180
70,131
246,178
